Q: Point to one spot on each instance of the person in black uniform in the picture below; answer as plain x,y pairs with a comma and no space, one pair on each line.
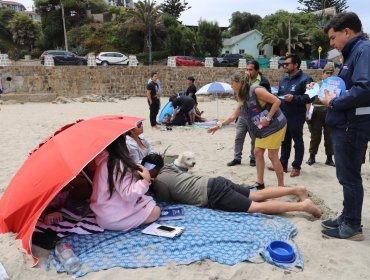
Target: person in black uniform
153,99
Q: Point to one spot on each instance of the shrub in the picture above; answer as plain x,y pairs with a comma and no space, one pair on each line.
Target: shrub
156,55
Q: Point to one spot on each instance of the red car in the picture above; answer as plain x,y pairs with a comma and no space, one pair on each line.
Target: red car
188,61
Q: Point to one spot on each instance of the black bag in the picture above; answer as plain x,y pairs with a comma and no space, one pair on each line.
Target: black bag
256,113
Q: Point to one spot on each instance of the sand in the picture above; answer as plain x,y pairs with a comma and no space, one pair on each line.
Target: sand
23,126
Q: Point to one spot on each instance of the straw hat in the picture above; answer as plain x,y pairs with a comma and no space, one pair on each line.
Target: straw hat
329,67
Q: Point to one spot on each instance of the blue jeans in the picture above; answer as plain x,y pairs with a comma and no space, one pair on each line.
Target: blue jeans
348,151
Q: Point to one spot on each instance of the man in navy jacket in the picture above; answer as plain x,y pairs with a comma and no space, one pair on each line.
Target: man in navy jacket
349,117
292,88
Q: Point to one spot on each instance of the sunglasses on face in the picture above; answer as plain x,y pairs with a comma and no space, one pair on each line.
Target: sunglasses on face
285,64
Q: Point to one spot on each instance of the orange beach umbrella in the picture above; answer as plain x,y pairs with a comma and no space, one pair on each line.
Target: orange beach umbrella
51,166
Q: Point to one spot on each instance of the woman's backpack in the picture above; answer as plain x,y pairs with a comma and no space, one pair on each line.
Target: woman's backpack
256,114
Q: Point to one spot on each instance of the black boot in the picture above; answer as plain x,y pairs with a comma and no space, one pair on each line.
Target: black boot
329,161
311,160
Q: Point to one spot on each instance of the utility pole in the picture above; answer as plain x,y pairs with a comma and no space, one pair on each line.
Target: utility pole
289,37
64,26
149,33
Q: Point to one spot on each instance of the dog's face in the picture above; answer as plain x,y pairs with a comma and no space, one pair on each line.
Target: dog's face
186,159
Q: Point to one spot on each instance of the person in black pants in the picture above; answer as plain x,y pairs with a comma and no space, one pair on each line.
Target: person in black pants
153,99
183,106
292,88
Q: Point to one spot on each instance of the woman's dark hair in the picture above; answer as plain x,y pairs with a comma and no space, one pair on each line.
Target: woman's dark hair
119,162
243,94
255,64
155,159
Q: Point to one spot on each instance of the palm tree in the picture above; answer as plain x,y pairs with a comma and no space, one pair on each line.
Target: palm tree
146,18
278,36
24,30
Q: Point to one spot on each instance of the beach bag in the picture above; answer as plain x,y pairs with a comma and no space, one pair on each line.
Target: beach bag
256,113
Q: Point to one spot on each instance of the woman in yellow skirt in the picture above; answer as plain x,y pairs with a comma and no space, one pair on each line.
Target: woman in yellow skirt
272,142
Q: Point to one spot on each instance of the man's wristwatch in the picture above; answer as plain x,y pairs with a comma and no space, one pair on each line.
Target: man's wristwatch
268,118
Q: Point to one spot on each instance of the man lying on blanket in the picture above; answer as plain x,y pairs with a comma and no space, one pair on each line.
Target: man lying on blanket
172,185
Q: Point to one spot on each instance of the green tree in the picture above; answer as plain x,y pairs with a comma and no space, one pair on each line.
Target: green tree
301,25
316,5
174,7
319,38
243,22
52,20
279,37
146,19
209,39
5,16
24,30
95,6
179,38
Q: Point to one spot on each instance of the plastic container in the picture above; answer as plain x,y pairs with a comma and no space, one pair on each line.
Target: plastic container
67,257
281,251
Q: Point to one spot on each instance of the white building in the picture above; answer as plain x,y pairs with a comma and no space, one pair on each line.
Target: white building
12,5
247,43
126,3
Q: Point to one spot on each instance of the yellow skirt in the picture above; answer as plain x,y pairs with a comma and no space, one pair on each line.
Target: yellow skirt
272,141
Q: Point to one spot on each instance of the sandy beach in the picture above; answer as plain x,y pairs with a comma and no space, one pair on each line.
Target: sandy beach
23,126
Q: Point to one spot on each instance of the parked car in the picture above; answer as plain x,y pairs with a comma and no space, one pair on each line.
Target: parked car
111,58
229,60
314,64
188,61
64,58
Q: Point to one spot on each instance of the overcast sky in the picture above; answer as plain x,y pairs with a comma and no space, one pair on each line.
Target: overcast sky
221,10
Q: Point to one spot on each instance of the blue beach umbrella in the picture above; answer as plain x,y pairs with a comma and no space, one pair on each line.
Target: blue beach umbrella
215,88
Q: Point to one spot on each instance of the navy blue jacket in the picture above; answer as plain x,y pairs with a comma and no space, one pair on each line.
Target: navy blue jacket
295,85
351,110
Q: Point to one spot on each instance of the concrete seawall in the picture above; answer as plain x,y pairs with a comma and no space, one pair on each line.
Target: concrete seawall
44,84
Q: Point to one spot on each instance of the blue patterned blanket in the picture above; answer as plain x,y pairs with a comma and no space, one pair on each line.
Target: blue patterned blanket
223,237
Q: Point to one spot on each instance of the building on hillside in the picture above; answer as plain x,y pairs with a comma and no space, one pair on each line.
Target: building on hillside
32,15
126,3
12,5
247,43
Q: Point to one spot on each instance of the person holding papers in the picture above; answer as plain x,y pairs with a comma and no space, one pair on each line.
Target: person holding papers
349,118
316,114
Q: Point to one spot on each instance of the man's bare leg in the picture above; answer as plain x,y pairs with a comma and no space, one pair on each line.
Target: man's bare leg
275,192
279,206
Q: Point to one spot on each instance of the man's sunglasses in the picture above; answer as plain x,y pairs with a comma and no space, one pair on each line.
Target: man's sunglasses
287,63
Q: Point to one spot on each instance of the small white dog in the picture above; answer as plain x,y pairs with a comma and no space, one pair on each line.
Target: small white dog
185,161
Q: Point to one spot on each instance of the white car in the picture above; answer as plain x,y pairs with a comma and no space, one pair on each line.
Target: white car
111,58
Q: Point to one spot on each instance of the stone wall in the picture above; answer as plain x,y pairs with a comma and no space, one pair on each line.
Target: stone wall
40,83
